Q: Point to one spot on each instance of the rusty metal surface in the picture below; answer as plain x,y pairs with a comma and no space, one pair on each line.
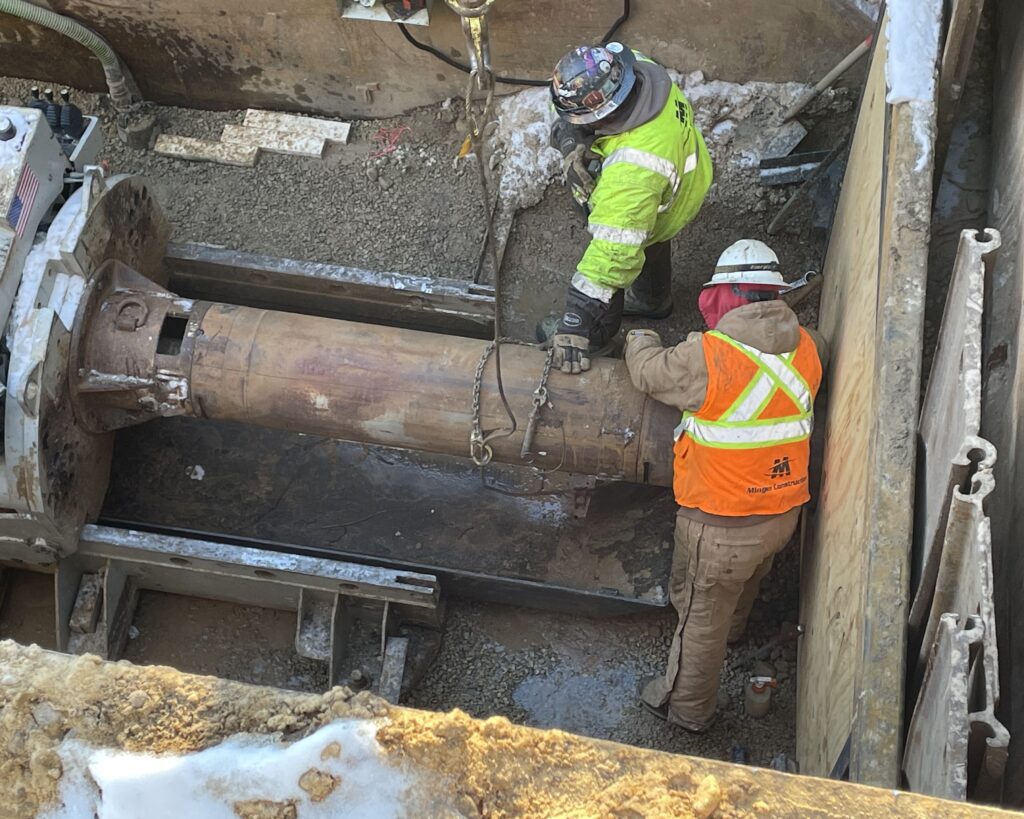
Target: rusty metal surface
56,470
123,371
393,508
334,291
351,381
413,390
260,566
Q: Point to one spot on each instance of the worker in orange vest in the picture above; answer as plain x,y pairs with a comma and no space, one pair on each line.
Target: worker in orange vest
746,390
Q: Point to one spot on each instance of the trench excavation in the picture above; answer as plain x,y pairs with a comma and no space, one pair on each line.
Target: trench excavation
532,590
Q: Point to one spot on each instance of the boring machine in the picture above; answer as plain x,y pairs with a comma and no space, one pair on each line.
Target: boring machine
97,344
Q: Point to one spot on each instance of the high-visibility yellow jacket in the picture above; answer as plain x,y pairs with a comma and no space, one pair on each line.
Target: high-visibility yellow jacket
653,180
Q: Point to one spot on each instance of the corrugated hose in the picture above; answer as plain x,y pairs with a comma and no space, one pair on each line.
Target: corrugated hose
119,80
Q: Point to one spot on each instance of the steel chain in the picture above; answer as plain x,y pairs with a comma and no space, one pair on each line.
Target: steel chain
481,85
479,450
540,398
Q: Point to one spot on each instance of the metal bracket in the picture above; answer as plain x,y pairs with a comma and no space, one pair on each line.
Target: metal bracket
582,487
393,669
323,624
97,589
94,607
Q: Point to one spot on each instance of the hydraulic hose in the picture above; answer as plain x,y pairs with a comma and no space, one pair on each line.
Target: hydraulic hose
119,81
506,80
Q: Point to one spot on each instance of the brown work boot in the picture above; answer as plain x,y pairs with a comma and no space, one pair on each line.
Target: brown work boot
662,712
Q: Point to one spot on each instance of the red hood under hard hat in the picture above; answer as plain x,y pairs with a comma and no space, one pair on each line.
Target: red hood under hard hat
718,299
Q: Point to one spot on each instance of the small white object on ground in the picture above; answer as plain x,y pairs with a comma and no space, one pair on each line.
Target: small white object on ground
293,143
331,130
205,150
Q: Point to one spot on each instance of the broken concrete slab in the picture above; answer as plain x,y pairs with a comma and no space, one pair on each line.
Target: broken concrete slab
205,150
329,129
277,142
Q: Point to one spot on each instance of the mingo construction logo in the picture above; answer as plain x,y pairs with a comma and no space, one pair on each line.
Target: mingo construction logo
781,474
780,469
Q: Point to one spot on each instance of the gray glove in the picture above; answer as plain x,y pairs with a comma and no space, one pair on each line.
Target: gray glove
576,167
571,353
580,165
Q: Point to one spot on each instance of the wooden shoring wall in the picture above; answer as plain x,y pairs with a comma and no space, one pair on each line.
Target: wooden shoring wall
855,565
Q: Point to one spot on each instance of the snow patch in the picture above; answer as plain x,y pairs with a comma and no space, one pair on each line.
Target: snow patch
529,163
869,8
913,31
741,124
339,771
196,473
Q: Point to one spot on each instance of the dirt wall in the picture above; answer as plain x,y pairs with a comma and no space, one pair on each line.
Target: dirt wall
468,767
303,56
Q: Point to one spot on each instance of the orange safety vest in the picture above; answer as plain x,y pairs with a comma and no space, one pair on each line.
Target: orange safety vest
746,450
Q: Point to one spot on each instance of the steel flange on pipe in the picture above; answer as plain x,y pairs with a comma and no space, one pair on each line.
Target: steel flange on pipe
140,352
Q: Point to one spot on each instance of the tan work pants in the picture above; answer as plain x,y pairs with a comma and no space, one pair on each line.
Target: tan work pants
716,572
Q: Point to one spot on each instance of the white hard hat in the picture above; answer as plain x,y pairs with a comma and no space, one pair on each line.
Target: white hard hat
747,261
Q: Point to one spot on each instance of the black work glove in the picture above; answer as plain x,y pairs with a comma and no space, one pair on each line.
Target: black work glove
565,136
587,325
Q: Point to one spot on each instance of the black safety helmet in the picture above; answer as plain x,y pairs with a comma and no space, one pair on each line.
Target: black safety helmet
592,82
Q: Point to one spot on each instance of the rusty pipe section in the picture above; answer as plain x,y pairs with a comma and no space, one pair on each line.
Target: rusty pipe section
142,352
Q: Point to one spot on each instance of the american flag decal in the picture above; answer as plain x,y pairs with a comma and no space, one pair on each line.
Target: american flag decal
24,199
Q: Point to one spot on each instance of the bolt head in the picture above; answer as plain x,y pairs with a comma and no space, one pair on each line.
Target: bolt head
7,129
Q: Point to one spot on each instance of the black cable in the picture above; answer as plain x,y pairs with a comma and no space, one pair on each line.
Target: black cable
615,26
506,80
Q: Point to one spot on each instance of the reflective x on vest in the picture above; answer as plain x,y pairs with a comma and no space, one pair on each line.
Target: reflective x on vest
741,425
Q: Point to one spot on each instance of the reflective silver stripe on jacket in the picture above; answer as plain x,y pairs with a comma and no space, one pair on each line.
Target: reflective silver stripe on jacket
784,371
648,161
595,291
622,236
739,426
747,435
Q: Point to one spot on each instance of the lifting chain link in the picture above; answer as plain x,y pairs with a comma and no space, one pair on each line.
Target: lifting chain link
479,443
479,108
540,399
479,450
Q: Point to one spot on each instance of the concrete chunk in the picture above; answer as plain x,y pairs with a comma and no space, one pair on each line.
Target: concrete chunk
204,150
331,130
278,142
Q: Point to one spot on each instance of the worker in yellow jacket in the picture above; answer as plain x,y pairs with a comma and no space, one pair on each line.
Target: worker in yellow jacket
746,391
639,169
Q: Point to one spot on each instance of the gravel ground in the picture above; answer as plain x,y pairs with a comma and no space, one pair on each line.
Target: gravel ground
581,675
416,211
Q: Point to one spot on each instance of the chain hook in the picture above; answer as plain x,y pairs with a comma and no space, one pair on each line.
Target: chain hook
480,452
